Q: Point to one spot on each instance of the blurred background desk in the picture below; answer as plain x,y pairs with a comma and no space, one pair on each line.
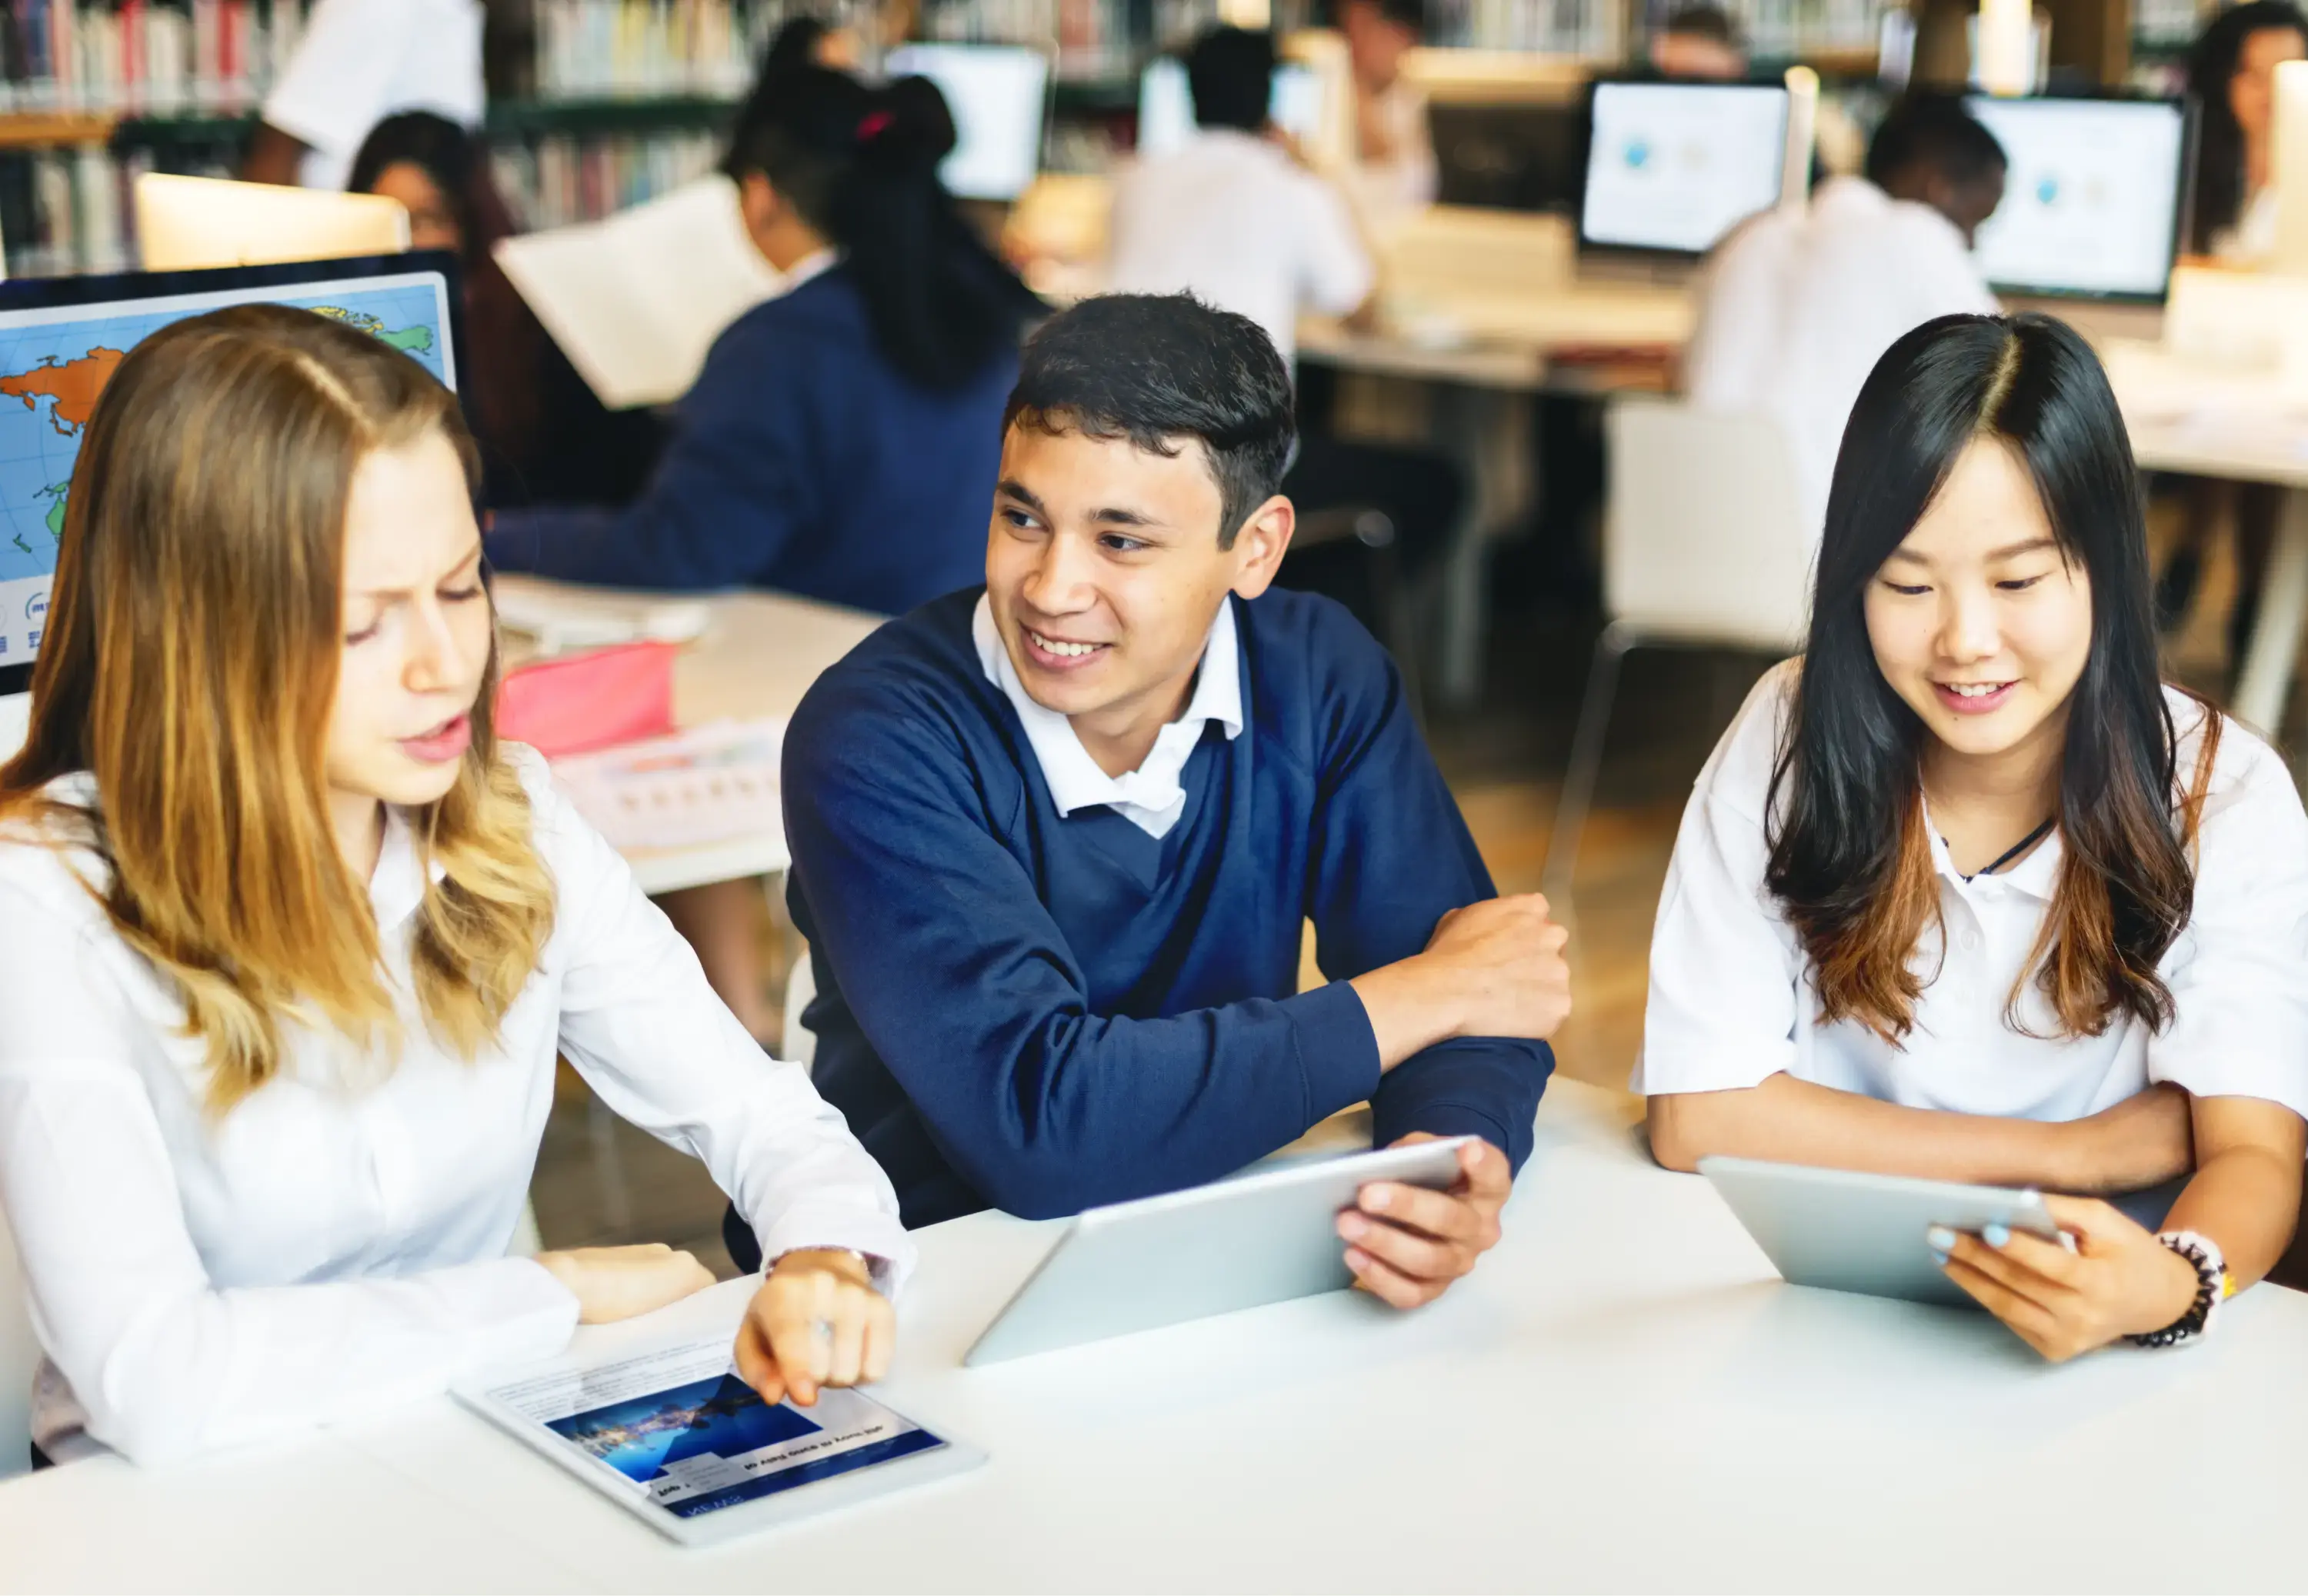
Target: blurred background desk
759,654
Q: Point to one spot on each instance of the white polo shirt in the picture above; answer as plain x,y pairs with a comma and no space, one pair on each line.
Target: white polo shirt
1794,310
1231,219
1150,797
1732,1000
361,61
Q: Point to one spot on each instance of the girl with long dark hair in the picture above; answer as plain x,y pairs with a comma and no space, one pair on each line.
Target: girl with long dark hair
2232,76
1966,892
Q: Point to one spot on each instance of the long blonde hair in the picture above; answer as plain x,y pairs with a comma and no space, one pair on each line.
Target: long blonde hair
189,664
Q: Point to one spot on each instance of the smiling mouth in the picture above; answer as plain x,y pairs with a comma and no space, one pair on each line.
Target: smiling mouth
1060,648
1975,690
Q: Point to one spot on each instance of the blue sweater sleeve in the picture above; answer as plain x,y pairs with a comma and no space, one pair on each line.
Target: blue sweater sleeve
1390,856
725,496
966,990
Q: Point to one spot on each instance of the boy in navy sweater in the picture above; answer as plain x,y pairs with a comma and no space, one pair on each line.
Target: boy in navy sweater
1054,843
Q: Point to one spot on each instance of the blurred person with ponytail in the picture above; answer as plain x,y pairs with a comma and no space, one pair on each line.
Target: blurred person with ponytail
1967,892
841,441
289,942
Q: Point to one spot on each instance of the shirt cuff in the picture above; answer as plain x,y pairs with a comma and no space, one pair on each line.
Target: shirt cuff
1705,1066
520,1313
889,1251
1338,1051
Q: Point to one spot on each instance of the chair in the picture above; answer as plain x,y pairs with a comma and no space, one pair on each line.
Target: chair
1705,542
19,1361
1373,530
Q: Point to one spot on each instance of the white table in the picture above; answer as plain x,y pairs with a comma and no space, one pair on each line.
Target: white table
1621,1397
757,657
2184,415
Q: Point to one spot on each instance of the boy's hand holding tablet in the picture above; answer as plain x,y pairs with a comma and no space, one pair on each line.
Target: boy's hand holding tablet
1407,1244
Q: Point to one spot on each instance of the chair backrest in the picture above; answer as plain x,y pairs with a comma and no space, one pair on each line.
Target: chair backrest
19,1361
1704,539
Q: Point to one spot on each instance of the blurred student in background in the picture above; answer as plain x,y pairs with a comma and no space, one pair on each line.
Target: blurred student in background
359,62
842,439
1796,307
1393,168
292,943
1967,892
543,434
1698,43
2232,76
1234,219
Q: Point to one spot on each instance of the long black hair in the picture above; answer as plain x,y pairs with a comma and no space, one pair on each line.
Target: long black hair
2212,66
1850,860
860,166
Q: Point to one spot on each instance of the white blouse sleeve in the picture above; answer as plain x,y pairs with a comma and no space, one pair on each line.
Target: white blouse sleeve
1726,974
163,1362
645,1030
2239,973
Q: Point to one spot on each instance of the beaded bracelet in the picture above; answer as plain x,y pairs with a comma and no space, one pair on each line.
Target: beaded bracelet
2203,1256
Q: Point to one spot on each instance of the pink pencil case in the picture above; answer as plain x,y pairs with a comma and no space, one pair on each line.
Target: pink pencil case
589,700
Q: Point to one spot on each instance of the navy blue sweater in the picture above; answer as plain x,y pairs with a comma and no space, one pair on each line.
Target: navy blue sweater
803,460
1042,1014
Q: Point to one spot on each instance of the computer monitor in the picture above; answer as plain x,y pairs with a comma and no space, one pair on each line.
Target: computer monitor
1671,167
2094,196
61,338
1166,104
188,223
999,94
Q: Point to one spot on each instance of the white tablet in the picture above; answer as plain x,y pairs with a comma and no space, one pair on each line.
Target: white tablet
1186,1254
1849,1231
675,1438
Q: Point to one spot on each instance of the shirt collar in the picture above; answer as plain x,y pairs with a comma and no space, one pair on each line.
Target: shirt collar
1074,778
808,267
2036,876
396,888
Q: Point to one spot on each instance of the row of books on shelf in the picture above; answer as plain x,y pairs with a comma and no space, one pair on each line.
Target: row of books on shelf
557,180
154,57
66,211
623,48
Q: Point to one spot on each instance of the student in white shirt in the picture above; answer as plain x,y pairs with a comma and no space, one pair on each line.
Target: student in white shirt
1235,219
1393,169
288,944
1796,306
358,62
2232,78
1966,893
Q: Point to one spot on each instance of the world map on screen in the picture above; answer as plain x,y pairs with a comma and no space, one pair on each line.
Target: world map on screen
53,371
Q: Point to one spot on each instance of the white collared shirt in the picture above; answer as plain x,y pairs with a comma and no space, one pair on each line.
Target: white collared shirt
1795,308
336,1244
1732,1001
1150,797
1231,219
361,61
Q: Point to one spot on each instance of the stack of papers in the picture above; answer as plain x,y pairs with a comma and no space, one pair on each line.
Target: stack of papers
708,783
637,300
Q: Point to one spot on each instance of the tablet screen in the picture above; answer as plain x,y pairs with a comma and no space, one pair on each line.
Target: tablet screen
678,1428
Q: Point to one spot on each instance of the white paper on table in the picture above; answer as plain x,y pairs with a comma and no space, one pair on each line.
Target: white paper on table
708,783
636,300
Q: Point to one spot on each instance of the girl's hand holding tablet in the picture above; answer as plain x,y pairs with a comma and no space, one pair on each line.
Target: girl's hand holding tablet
816,1321
2118,1281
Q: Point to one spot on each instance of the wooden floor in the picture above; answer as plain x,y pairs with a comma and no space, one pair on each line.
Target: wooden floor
600,1181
